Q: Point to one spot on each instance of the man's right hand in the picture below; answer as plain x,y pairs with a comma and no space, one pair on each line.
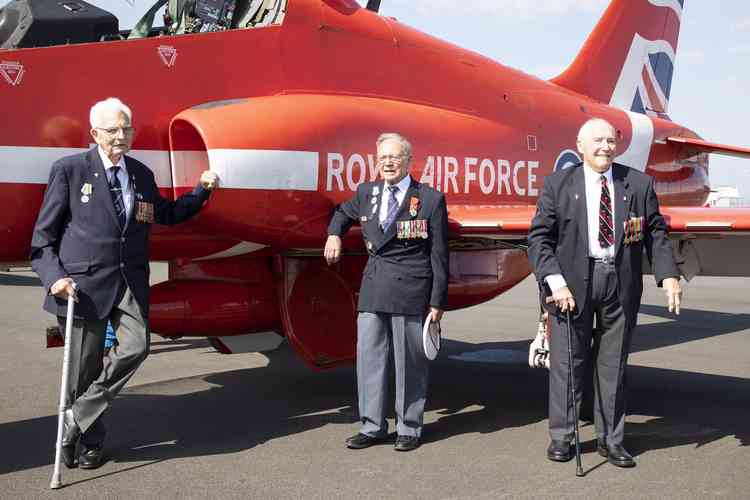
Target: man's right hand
332,251
63,288
563,299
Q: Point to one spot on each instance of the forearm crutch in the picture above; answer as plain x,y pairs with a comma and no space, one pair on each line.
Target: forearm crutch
579,468
56,481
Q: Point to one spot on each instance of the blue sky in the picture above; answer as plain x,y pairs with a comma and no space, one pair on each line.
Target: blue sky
541,37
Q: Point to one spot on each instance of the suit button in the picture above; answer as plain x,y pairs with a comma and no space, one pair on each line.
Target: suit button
122,264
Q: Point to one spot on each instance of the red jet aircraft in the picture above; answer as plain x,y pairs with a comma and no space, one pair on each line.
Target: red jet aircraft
285,106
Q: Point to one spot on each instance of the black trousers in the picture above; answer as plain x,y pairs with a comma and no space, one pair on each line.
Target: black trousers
607,348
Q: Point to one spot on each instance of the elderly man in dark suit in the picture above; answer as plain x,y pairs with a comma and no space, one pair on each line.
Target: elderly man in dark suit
405,228
93,229
586,245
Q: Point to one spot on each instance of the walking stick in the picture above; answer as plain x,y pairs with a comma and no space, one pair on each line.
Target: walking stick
579,469
56,481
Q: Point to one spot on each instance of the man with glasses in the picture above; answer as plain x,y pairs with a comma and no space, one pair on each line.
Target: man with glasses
93,230
405,228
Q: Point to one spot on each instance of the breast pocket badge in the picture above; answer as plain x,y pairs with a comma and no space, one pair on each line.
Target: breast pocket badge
144,212
633,230
411,229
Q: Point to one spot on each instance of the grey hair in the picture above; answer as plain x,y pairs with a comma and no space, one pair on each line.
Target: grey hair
393,136
109,104
591,123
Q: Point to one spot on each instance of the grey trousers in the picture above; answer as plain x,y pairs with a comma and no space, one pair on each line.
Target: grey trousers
96,380
377,334
608,349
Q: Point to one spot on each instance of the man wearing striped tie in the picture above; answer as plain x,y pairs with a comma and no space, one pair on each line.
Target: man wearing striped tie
405,228
93,229
586,245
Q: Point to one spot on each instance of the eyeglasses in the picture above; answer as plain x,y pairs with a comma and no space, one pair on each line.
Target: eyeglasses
391,158
117,130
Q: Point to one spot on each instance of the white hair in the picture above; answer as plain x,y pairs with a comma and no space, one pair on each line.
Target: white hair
591,123
392,136
109,104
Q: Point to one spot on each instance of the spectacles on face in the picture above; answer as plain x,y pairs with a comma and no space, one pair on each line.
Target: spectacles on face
117,130
390,158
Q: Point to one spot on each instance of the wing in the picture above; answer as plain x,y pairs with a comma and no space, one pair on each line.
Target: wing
707,241
699,146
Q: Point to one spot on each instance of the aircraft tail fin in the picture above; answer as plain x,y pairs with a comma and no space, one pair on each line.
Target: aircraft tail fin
628,60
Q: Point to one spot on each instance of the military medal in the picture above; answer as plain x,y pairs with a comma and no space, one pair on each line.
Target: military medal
144,212
413,206
374,200
86,191
363,218
376,191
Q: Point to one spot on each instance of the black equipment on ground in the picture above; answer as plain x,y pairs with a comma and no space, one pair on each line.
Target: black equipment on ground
41,23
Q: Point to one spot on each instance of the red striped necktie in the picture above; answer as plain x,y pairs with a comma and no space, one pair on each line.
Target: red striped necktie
606,234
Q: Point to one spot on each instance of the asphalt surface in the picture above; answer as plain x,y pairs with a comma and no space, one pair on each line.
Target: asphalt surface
193,423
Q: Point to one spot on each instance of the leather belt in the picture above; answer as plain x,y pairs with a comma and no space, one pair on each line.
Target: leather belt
603,260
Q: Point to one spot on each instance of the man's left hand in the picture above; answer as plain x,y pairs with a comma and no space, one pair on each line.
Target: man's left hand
435,314
209,180
674,294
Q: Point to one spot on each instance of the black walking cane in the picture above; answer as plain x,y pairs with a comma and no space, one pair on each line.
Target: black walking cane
579,468
56,481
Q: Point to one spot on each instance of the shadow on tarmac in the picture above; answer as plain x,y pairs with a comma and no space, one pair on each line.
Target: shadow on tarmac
7,279
237,410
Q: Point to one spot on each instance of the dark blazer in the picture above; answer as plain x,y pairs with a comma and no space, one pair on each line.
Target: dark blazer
558,238
404,275
85,241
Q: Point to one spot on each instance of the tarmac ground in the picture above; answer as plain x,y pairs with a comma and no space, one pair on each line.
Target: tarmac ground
194,423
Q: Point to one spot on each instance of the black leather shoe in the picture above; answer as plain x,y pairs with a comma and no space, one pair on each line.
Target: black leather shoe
559,451
360,441
406,443
69,457
70,436
615,454
71,431
92,457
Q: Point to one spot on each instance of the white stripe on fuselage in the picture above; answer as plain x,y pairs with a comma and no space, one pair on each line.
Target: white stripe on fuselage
636,156
236,168
31,165
265,169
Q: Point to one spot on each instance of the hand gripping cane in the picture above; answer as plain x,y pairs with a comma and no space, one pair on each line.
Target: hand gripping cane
579,469
56,481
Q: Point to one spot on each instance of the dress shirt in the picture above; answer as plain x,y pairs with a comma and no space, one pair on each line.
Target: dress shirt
122,175
593,185
403,185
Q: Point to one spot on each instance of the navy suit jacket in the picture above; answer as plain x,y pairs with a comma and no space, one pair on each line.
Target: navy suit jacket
84,240
405,273
559,241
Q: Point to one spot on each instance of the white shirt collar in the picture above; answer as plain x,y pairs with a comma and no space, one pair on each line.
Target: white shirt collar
402,185
592,177
108,163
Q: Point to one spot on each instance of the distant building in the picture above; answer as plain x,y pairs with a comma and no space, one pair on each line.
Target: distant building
726,197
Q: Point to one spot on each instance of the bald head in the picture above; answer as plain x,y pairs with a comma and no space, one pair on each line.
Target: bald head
597,143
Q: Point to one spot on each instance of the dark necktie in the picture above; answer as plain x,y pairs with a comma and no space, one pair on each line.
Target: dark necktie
606,234
392,208
115,189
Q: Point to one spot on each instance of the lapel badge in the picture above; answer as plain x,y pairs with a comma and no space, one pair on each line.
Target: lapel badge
363,218
96,174
139,196
376,190
413,206
575,196
369,245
